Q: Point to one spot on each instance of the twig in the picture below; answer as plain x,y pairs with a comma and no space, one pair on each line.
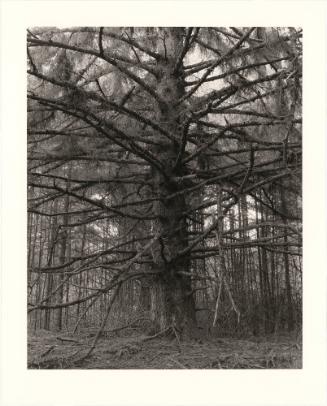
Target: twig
31,60
177,363
100,42
184,51
177,338
68,339
248,172
47,351
215,64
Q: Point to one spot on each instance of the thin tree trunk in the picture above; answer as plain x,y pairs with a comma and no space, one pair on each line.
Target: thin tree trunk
290,319
63,241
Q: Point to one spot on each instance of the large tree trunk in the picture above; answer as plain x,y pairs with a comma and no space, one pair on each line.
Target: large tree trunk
172,302
172,305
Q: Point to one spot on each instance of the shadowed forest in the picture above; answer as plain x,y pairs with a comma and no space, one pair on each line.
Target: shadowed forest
164,197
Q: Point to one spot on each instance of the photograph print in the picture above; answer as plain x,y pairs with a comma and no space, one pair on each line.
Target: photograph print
164,197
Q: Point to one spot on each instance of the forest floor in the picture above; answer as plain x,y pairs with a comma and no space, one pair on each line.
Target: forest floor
133,350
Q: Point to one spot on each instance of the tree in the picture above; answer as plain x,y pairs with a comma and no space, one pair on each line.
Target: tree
150,121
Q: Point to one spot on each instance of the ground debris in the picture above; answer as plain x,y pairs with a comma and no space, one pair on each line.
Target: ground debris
136,351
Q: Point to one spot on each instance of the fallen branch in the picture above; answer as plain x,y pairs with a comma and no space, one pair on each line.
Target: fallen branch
68,340
47,351
177,363
156,335
177,338
131,324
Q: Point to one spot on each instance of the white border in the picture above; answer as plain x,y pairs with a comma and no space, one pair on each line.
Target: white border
20,386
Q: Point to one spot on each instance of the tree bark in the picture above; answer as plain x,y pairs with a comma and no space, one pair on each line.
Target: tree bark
172,302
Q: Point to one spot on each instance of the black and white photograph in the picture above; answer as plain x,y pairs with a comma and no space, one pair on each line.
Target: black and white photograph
163,208
164,197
